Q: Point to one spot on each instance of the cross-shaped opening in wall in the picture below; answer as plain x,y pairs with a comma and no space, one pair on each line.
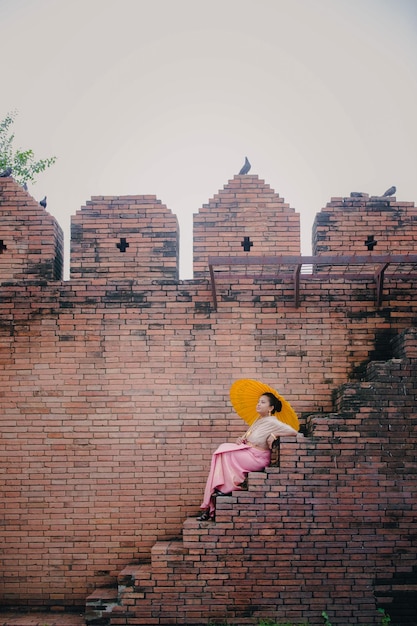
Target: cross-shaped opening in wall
370,243
3,247
246,244
122,245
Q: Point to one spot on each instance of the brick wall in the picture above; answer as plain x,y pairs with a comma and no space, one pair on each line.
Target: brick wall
115,386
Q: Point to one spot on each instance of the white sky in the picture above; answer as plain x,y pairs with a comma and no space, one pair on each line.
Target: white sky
166,97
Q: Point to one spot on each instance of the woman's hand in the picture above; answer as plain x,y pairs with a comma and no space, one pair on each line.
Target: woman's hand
240,440
271,440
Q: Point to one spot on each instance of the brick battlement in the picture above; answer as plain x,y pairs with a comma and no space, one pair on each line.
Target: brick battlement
31,240
120,237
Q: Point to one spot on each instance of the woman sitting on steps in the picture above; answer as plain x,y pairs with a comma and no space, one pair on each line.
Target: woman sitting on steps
263,408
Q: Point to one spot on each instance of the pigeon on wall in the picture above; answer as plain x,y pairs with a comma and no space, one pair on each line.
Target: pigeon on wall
389,192
246,167
43,202
6,173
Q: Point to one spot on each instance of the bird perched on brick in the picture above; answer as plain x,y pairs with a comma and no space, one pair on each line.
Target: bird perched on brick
6,173
246,167
43,202
389,192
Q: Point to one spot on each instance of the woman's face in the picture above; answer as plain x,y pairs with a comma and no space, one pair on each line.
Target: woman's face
264,406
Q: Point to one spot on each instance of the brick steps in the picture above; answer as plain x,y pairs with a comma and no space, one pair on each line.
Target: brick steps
174,568
134,596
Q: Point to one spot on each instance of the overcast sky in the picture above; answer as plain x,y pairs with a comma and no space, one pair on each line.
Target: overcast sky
166,97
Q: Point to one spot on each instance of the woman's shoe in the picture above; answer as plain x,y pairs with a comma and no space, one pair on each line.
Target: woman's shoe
205,516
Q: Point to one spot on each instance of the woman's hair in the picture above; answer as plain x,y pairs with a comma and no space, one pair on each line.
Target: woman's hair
274,402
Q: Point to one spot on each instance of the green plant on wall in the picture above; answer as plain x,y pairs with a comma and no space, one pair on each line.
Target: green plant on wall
386,620
22,163
326,619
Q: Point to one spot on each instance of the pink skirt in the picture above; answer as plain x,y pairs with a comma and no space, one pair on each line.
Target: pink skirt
230,465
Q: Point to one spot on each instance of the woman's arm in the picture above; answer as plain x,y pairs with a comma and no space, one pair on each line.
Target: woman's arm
282,430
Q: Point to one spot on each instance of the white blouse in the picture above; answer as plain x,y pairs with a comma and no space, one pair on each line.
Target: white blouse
260,430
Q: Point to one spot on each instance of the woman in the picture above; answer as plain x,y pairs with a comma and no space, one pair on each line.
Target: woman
231,462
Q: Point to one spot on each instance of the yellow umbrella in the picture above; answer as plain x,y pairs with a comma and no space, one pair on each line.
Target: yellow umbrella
244,395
